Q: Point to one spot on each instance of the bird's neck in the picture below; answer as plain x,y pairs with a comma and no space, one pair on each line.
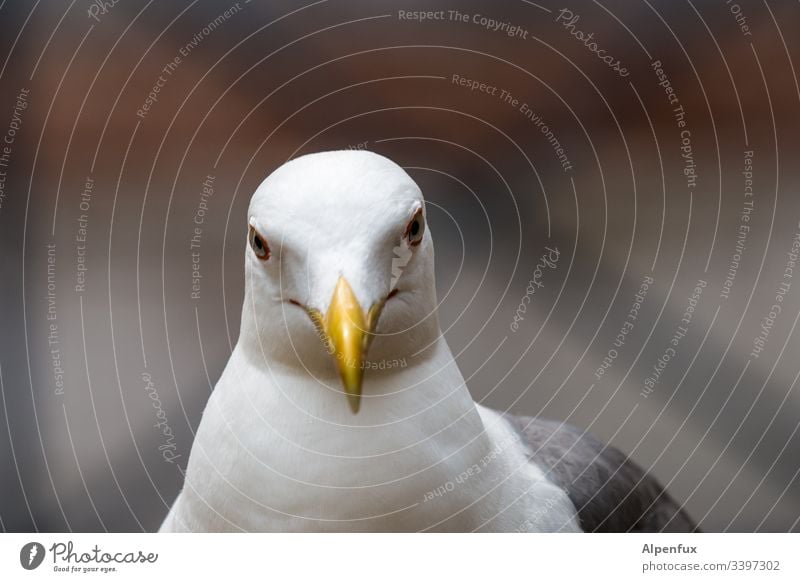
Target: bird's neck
297,445
397,383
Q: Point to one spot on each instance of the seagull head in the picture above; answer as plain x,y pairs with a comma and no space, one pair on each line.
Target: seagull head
339,264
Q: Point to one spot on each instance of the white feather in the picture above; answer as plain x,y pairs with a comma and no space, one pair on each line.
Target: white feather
278,449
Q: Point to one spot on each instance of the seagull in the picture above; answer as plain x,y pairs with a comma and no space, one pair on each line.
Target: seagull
342,408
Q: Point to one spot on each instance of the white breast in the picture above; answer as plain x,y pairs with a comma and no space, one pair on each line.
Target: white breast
268,458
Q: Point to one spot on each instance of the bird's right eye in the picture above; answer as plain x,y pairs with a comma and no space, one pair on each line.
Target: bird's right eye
258,244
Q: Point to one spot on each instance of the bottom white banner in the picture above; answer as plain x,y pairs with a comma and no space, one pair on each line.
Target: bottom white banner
378,557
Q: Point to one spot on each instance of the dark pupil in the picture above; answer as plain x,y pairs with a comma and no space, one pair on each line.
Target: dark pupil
415,228
259,244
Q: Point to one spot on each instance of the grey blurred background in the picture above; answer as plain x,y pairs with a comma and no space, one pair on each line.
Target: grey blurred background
96,307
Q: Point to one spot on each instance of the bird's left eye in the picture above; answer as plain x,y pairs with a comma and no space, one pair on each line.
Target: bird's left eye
415,229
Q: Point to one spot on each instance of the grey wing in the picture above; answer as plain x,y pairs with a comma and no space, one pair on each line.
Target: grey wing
610,491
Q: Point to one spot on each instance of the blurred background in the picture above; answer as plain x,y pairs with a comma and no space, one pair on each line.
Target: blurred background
653,144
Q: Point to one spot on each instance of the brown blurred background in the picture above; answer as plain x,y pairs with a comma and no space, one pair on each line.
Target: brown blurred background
102,321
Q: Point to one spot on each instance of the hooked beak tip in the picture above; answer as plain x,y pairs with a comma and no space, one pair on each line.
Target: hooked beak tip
355,402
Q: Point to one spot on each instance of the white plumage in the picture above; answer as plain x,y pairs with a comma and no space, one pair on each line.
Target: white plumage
279,449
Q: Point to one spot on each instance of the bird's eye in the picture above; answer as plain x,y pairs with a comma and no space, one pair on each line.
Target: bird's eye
258,244
415,229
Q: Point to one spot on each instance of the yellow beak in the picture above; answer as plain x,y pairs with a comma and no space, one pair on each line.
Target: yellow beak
349,331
